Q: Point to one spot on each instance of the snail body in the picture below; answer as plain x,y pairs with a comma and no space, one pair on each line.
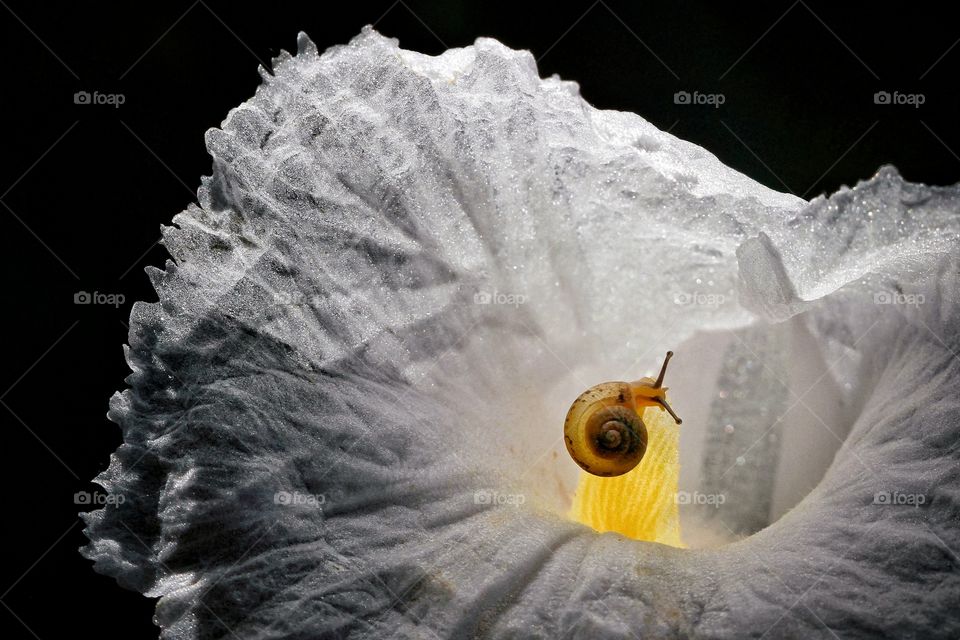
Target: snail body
604,431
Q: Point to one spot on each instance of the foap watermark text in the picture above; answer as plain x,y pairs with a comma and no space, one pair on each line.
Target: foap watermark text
897,98
85,297
299,499
495,498
96,98
697,299
892,297
899,499
710,99
695,497
499,297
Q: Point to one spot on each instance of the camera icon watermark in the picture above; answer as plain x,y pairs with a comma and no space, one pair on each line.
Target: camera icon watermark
711,499
899,499
85,297
893,297
695,298
298,499
710,99
110,99
98,498
492,498
896,98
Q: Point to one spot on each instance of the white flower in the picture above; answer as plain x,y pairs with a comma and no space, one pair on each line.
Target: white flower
345,410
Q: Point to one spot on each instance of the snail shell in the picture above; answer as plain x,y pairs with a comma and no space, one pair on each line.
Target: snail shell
603,431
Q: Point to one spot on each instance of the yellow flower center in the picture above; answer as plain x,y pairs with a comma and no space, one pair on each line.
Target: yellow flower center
640,504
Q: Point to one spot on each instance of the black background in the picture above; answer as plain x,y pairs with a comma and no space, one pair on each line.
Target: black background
85,187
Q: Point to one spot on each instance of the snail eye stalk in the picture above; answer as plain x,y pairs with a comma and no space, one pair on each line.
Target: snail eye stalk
663,370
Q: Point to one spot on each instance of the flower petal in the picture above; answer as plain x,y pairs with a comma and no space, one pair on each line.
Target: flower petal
402,270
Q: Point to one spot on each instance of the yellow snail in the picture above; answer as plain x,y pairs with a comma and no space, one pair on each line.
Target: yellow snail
604,432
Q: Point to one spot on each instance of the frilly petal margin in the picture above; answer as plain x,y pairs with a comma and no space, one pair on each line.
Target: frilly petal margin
400,264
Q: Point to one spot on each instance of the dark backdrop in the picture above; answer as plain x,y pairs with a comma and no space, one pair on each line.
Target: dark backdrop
85,187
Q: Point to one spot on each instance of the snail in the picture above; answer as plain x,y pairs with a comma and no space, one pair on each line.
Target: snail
603,430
